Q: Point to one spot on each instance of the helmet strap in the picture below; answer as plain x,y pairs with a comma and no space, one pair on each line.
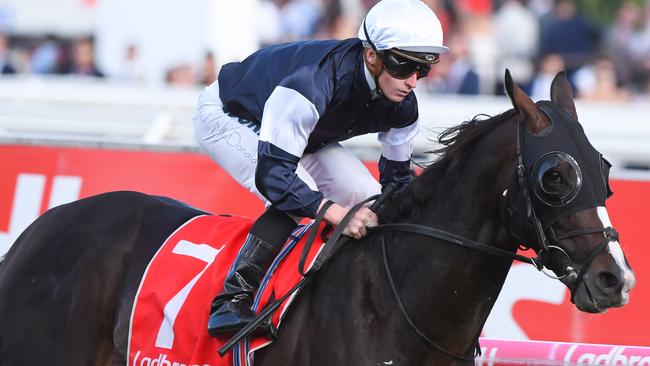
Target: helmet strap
375,70
378,67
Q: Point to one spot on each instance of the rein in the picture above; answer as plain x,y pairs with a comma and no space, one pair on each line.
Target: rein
576,277
450,238
400,304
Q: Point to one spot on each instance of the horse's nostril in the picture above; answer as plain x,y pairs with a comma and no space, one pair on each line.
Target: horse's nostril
609,282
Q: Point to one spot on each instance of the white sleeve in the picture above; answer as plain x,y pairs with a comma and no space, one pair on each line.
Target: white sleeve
397,143
287,120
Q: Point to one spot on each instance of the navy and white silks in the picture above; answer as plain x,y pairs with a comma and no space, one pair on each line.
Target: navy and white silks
274,120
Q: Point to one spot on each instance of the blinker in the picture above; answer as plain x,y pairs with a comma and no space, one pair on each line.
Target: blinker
564,171
557,178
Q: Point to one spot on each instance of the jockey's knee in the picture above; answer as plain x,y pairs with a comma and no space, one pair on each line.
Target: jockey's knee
358,190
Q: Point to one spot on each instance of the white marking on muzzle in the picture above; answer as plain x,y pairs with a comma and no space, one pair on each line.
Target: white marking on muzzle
619,258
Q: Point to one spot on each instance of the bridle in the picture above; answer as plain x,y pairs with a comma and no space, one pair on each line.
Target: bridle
547,244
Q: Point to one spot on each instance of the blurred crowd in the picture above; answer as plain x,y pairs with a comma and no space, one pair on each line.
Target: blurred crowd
533,38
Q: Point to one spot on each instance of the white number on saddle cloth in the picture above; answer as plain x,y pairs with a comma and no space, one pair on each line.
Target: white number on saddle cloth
204,252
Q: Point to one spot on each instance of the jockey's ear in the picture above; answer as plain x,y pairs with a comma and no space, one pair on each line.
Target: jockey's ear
562,94
373,62
531,117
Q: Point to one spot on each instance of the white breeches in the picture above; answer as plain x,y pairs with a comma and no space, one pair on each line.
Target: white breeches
232,143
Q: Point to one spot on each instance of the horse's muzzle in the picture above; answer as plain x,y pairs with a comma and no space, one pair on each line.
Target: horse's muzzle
603,289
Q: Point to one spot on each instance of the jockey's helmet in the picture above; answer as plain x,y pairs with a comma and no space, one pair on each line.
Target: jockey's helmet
406,34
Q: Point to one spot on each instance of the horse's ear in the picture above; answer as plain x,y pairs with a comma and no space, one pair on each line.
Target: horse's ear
562,94
529,115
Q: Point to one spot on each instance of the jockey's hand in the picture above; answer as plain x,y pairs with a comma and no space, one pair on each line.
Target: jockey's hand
356,228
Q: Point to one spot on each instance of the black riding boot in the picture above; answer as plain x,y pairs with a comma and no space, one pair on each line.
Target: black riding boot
231,310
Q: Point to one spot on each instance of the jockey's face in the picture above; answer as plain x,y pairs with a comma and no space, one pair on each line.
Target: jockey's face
396,89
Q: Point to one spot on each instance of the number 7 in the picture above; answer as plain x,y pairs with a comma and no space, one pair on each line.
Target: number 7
204,252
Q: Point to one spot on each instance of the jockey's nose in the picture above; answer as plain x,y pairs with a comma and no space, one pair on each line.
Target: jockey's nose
412,80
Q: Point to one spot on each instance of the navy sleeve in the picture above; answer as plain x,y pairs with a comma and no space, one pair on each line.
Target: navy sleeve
276,179
398,172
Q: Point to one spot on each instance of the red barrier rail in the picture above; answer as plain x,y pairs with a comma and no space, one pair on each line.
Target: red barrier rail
35,178
497,352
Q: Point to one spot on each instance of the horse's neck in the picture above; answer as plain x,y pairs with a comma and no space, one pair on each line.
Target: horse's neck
450,289
467,198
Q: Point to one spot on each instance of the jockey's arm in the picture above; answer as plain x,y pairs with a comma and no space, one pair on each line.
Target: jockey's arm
288,120
394,166
287,123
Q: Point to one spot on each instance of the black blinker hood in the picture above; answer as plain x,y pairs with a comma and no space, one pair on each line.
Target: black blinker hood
565,134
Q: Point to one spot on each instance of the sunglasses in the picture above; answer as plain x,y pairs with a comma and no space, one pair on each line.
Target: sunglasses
401,67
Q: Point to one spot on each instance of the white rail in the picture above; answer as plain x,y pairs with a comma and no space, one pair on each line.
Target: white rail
74,110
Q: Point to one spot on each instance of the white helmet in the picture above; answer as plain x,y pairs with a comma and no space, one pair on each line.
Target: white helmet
407,25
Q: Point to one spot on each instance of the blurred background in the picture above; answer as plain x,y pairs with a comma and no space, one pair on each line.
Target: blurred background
98,95
127,71
604,45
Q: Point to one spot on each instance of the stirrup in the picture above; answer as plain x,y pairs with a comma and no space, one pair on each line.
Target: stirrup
231,321
266,329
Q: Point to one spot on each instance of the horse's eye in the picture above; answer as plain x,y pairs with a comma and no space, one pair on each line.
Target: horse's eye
553,176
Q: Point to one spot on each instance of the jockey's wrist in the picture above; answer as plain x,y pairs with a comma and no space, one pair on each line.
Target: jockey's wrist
334,213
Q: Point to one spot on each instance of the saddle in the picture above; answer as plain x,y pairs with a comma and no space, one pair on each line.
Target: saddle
172,305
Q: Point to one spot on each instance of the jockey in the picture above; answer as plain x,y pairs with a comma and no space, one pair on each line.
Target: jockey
274,122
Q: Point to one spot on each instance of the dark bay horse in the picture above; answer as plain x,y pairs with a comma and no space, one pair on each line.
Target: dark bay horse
527,176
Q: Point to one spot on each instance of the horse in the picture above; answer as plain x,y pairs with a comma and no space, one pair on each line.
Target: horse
416,291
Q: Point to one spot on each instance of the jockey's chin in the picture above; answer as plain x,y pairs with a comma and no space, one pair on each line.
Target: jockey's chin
395,89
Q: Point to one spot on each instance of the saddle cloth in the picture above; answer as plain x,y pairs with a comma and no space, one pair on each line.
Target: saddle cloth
170,313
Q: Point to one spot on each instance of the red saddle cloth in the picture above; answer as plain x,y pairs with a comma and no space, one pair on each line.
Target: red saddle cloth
171,310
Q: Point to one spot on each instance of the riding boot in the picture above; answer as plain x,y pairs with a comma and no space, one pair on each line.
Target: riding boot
231,309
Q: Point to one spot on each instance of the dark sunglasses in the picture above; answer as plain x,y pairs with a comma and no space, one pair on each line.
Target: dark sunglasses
401,67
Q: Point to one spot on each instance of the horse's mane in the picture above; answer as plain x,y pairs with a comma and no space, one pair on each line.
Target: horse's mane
458,142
